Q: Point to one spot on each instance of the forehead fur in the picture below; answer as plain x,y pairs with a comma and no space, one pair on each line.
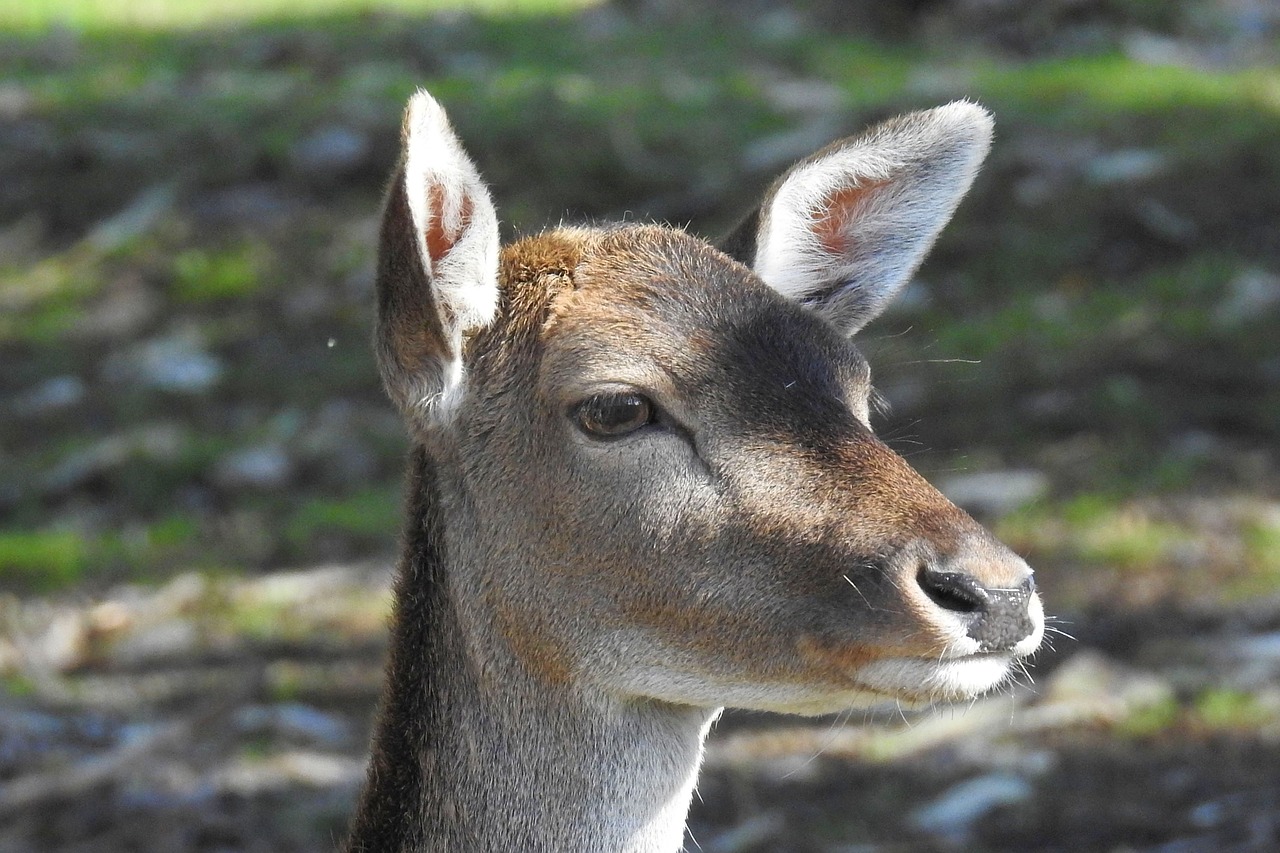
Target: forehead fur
658,254
623,267
662,278
629,256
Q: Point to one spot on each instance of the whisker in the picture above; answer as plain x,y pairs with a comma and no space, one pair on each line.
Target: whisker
826,741
855,589
1059,632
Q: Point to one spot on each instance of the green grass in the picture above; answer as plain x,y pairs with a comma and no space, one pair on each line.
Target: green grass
39,16
39,302
1152,720
15,685
1262,557
1210,710
1087,88
1140,359
372,514
1222,709
1097,545
43,560
1094,529
265,621
1262,541
54,560
201,276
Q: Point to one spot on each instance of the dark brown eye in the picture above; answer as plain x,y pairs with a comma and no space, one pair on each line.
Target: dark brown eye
612,415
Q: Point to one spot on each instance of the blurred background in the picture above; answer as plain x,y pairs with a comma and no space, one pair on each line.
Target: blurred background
200,477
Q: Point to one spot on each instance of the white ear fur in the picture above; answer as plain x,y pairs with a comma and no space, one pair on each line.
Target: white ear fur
456,238
447,196
845,229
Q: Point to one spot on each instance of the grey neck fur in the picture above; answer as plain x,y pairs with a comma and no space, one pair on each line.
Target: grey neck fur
472,752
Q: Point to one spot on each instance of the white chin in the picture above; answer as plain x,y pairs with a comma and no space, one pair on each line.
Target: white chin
925,681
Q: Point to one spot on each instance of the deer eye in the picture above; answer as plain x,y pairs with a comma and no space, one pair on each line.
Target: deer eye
613,415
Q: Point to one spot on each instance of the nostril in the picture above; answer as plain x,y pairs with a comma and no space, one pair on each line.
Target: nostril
953,591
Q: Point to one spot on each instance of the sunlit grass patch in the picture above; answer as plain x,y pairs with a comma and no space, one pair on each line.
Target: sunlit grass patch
57,559
201,275
1151,720
264,621
39,303
369,515
1227,709
43,560
17,685
1068,92
1211,710
1125,537
1095,529
1103,545
1262,556
1262,539
299,606
41,15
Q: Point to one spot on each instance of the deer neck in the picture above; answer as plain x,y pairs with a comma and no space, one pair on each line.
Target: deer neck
473,752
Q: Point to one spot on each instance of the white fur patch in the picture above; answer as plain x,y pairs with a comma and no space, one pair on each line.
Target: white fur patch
790,258
1028,645
923,164
962,674
938,680
442,400
445,190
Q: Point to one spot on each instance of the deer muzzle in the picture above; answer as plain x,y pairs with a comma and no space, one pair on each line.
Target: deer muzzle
981,598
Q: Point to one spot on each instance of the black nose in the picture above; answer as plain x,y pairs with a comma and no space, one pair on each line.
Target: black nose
998,618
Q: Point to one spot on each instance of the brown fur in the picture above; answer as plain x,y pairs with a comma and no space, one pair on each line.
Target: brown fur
410,339
569,609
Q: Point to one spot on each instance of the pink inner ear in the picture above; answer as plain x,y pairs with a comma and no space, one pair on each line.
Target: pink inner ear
440,240
832,224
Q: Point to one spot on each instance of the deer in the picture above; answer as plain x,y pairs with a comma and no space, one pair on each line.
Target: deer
643,486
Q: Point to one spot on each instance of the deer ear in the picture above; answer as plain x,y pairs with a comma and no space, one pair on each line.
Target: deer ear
437,264
843,230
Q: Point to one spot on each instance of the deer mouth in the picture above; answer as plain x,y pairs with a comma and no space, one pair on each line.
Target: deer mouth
926,681
965,670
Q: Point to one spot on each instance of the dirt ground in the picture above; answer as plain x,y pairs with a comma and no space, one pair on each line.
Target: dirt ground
166,743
